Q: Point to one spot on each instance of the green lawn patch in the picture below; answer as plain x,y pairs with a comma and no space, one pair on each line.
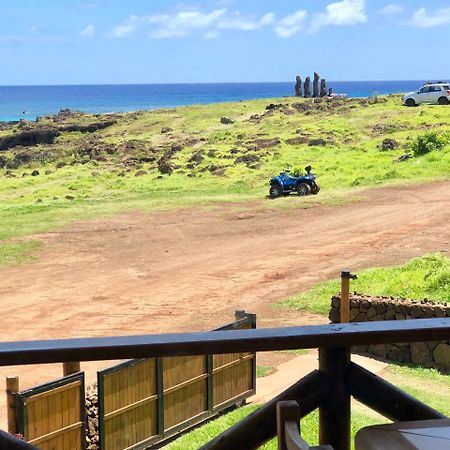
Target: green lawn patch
424,277
17,252
264,371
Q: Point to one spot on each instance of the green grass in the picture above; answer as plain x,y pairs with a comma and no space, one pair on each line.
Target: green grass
13,253
351,161
427,385
424,277
264,371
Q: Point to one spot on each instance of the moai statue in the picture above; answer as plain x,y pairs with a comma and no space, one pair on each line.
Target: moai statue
323,87
298,86
307,87
316,84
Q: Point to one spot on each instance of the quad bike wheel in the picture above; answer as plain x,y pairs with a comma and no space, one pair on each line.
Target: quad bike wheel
275,191
303,189
315,188
410,102
443,101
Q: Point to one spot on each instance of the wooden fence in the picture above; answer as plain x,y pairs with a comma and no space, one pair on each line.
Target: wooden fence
52,416
145,401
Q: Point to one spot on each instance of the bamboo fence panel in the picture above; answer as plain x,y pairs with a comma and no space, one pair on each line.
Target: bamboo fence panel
52,416
233,374
128,404
185,389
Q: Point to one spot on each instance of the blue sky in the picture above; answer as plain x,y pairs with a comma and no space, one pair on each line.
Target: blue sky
164,41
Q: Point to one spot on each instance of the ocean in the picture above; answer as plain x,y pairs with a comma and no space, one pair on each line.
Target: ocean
29,102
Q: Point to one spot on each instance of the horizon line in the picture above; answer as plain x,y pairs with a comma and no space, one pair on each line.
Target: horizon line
206,83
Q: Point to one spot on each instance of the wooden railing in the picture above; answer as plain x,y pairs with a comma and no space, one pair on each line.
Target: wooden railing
328,388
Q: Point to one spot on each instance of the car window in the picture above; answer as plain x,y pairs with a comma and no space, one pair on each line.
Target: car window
436,88
421,91
446,87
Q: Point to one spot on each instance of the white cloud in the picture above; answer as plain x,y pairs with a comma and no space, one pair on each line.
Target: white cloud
237,22
391,9
123,31
88,31
291,24
421,18
179,24
344,13
182,23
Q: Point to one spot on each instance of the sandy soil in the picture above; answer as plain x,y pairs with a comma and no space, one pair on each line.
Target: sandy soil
190,269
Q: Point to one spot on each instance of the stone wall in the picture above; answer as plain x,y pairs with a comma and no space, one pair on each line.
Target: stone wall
364,308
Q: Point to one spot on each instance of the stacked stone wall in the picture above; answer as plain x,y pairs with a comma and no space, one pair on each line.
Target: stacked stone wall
365,308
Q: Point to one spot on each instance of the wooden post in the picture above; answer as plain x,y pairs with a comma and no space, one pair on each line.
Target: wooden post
346,276
12,387
71,367
334,414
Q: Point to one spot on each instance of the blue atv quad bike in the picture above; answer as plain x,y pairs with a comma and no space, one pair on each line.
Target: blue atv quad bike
285,183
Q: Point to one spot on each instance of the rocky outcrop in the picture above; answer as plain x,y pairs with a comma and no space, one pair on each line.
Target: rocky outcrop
364,308
316,85
307,87
28,138
226,120
298,87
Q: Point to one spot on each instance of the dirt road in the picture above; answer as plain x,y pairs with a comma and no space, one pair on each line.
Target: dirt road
190,269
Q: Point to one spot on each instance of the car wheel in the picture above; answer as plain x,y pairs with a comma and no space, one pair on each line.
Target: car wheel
315,189
443,101
410,102
275,191
303,189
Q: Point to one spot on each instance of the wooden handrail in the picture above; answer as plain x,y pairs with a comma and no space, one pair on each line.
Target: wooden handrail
148,346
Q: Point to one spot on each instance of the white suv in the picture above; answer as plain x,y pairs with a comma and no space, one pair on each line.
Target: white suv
438,94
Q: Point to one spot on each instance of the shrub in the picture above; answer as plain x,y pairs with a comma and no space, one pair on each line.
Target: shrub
427,143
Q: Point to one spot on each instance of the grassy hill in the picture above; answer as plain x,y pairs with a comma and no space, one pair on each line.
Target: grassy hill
85,165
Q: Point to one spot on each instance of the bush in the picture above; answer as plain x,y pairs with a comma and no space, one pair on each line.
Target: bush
428,142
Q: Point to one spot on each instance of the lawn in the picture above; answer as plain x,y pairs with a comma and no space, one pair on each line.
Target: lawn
424,277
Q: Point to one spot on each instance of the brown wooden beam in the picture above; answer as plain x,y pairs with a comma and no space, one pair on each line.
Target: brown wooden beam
260,426
385,398
215,342
334,414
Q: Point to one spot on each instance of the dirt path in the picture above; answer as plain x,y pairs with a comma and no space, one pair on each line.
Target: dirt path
190,269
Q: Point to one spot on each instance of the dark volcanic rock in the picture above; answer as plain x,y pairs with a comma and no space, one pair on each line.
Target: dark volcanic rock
166,130
249,158
165,168
297,140
266,143
35,173
389,144
226,120
139,173
28,138
196,158
317,142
